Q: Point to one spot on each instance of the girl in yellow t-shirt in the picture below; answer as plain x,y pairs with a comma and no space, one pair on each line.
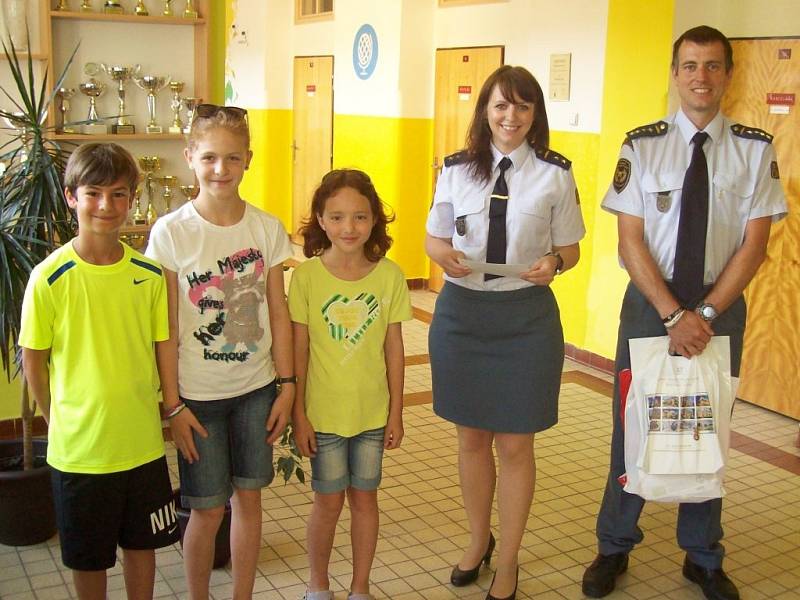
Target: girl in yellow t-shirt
347,303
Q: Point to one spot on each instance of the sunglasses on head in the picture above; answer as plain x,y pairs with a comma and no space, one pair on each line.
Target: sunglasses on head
207,111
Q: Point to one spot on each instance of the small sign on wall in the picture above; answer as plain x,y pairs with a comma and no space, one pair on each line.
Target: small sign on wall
464,92
780,103
365,51
311,90
560,72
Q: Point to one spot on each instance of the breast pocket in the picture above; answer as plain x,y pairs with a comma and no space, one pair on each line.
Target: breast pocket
471,222
733,196
661,194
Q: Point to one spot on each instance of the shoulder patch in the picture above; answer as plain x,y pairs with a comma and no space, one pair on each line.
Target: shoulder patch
652,130
751,133
146,265
553,157
455,159
60,271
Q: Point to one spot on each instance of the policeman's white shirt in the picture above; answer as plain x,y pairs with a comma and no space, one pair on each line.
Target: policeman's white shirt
743,185
542,212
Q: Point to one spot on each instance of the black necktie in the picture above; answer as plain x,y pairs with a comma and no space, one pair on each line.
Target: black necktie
690,252
496,242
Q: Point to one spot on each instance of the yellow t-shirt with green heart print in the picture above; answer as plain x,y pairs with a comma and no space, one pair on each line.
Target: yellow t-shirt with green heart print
346,387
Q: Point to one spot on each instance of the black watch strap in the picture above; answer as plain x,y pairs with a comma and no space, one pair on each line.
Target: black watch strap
292,379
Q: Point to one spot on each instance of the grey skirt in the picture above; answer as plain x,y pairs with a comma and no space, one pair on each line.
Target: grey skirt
496,358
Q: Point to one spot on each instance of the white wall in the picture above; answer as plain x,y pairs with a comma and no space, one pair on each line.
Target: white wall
532,30
740,18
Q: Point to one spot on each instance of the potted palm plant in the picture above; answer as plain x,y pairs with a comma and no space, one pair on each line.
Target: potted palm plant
33,219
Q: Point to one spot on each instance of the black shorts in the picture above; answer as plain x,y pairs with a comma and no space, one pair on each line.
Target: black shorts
96,512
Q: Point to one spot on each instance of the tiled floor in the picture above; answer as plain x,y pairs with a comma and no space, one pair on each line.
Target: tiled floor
423,525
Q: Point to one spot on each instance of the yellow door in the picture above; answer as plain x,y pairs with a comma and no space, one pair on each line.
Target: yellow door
765,93
460,73
312,147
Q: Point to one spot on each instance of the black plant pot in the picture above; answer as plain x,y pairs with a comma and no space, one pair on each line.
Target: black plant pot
222,543
27,515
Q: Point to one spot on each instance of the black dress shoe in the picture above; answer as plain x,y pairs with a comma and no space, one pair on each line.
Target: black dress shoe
601,576
461,578
513,595
714,583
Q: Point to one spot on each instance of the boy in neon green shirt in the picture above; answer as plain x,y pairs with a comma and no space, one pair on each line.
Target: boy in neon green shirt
93,310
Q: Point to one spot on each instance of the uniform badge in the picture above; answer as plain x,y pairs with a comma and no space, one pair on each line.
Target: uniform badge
773,170
663,201
622,174
461,225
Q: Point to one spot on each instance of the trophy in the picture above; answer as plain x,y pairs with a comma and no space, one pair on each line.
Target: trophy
63,95
149,164
167,182
190,12
168,8
93,89
152,85
191,106
121,75
138,215
86,6
141,9
61,6
113,7
190,191
176,87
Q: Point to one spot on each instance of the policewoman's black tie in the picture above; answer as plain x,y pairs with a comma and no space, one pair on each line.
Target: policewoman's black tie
496,243
690,252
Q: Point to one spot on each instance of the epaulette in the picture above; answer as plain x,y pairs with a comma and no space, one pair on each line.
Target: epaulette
751,133
455,159
652,130
553,157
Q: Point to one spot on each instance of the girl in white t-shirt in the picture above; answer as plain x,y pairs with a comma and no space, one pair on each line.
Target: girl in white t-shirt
347,303
231,369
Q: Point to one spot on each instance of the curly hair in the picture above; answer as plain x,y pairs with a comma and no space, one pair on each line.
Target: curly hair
315,240
514,82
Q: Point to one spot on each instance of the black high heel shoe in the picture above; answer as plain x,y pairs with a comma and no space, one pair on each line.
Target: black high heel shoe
461,578
513,595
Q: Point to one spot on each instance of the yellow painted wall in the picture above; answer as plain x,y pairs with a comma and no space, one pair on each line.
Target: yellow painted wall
571,289
636,82
396,154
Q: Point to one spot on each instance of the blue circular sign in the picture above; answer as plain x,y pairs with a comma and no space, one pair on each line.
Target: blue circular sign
365,51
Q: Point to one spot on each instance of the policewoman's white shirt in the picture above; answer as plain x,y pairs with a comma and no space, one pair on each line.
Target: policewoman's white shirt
543,211
743,185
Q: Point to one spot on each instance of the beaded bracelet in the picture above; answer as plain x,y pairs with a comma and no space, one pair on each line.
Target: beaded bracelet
175,411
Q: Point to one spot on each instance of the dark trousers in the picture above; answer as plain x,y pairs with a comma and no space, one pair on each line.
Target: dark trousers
699,530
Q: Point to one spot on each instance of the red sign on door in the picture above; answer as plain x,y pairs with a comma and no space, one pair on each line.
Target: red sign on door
311,88
465,89
780,99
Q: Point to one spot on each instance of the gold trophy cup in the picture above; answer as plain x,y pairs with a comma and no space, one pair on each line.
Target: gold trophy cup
168,8
191,106
150,164
63,96
61,6
93,89
113,7
86,6
138,215
190,12
190,191
141,9
121,75
167,183
152,85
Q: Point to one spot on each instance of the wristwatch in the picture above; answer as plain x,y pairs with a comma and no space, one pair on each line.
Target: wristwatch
707,312
292,379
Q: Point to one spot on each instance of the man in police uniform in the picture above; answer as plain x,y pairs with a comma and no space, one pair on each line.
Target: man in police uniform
741,198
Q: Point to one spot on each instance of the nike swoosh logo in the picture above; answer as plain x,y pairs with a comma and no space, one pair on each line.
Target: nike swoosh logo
138,281
173,529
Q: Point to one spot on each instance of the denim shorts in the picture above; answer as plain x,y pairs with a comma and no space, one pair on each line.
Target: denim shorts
343,462
235,453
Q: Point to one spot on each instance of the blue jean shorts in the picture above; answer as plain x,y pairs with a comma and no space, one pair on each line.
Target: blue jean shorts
235,453
343,462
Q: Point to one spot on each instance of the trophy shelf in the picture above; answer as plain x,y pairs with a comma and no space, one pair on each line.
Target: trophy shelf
116,137
126,18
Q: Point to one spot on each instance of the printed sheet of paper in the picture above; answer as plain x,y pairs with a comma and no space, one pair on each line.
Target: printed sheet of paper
495,269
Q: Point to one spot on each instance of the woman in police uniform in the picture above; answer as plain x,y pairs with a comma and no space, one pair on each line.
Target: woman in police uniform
496,344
